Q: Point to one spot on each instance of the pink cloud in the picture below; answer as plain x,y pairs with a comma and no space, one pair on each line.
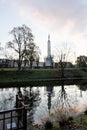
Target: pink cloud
66,20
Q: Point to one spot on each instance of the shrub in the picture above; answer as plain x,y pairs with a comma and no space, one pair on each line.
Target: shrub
48,125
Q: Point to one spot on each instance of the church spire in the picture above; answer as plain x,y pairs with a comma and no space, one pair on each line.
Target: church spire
49,61
49,46
49,37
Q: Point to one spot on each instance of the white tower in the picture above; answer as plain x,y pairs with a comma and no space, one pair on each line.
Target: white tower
48,60
49,47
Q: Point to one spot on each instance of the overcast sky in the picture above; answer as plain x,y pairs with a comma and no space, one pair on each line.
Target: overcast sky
64,20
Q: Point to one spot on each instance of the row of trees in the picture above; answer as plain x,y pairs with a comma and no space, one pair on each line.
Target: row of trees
27,51
23,44
81,61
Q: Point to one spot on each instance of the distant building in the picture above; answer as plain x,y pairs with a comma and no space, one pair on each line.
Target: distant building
4,63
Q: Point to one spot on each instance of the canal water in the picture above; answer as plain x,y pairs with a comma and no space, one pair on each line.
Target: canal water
42,100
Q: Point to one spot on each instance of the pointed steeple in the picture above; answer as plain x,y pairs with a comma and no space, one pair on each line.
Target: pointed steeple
49,37
49,46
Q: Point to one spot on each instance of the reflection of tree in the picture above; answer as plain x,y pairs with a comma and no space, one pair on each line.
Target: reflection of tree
65,104
6,100
62,96
50,91
31,98
19,92
82,87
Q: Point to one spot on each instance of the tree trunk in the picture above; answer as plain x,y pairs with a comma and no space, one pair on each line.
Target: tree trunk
19,63
62,69
31,64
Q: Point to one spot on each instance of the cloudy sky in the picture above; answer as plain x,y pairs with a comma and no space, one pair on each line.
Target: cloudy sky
64,20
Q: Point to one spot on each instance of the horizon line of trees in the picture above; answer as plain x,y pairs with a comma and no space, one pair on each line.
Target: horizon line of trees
27,51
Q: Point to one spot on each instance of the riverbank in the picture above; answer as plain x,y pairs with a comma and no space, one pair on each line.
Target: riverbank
78,123
12,77
38,76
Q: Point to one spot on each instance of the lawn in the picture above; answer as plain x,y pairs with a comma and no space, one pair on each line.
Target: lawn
13,76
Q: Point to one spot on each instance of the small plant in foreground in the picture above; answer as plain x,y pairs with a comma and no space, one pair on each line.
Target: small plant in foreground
48,125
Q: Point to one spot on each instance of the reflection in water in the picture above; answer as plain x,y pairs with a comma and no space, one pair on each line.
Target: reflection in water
65,105
80,93
19,92
64,99
82,87
49,90
7,98
41,102
32,99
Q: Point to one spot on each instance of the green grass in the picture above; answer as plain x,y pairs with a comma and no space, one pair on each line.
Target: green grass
14,76
78,123
29,74
81,122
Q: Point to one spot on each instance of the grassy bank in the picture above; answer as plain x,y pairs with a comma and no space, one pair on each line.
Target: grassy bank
78,123
38,75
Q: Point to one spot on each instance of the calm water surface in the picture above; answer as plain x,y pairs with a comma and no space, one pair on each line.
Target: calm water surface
41,100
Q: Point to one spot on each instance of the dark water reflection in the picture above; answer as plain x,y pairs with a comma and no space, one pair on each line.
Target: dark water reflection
41,100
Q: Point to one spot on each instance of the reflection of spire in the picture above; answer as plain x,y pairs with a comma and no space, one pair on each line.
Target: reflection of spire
80,93
50,91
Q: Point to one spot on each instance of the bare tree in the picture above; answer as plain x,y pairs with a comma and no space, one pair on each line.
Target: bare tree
31,53
62,56
37,60
22,37
1,48
81,61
